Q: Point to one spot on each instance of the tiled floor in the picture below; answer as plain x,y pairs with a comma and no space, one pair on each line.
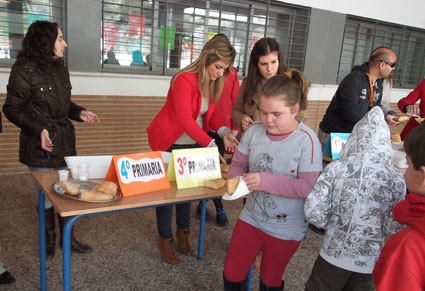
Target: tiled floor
125,255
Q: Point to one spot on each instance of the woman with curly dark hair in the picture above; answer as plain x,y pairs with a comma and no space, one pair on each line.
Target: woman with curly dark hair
39,102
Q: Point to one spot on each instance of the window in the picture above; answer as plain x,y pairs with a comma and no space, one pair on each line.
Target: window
361,36
161,37
17,16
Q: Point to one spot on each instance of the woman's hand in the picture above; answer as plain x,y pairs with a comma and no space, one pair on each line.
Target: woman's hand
246,122
46,143
413,109
252,180
230,142
89,117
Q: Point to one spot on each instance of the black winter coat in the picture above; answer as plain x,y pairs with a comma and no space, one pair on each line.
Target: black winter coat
351,101
41,99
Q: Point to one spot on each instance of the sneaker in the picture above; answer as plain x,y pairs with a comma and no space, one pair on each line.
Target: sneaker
198,212
6,278
222,217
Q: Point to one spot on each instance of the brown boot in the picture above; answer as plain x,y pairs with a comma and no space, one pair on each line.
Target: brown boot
167,251
76,246
49,221
183,241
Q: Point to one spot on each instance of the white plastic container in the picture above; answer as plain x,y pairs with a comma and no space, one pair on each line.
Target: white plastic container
399,157
98,165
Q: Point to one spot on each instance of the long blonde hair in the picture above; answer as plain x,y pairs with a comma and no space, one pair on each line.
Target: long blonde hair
216,49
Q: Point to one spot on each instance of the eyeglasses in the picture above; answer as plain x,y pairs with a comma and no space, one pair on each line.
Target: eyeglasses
392,65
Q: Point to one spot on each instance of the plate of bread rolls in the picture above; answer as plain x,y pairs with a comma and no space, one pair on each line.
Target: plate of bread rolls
88,191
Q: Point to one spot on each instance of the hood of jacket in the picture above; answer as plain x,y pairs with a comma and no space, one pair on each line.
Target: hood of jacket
411,211
370,137
363,67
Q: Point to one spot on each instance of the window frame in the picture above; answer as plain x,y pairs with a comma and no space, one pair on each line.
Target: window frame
299,17
56,14
372,33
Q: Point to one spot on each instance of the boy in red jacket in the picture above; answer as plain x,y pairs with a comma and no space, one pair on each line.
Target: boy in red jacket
401,265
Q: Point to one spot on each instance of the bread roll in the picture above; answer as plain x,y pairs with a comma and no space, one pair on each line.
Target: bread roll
215,184
224,168
396,138
232,184
70,187
224,175
402,118
90,195
106,187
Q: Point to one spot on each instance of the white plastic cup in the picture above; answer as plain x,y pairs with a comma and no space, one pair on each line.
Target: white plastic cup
74,172
83,172
63,175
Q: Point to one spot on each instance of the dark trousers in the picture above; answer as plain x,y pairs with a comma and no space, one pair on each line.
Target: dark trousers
220,144
164,214
327,277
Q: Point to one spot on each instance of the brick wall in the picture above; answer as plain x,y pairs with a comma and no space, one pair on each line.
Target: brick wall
122,130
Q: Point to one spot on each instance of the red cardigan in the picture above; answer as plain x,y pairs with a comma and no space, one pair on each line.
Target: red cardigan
179,115
228,99
412,98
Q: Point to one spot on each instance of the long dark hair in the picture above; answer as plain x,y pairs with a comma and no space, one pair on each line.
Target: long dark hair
290,87
39,43
263,47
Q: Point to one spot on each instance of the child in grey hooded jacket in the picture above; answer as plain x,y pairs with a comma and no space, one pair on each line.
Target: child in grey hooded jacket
353,201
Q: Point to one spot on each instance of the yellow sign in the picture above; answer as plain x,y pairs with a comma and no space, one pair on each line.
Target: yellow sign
191,167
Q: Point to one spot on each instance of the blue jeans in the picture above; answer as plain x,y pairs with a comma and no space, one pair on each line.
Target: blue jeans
47,203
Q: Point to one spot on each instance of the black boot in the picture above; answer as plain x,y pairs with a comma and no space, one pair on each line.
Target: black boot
76,246
6,278
49,222
233,286
264,287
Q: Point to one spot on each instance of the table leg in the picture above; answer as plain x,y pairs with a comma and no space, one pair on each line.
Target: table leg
249,278
42,240
202,228
66,248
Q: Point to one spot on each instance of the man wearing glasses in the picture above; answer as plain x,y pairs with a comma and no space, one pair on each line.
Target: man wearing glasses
357,93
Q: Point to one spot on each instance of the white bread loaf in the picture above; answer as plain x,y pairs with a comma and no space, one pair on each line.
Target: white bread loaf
90,195
215,184
70,187
106,187
232,184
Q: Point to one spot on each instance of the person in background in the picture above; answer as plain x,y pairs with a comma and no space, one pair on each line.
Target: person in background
224,106
266,61
279,180
137,59
357,93
387,85
181,124
5,276
39,102
401,264
353,201
408,105
112,60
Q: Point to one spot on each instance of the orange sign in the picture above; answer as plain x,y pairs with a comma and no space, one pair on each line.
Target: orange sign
138,173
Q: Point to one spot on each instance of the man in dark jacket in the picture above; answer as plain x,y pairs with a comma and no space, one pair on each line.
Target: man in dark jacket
357,94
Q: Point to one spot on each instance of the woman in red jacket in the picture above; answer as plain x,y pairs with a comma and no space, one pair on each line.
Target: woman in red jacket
182,123
407,105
